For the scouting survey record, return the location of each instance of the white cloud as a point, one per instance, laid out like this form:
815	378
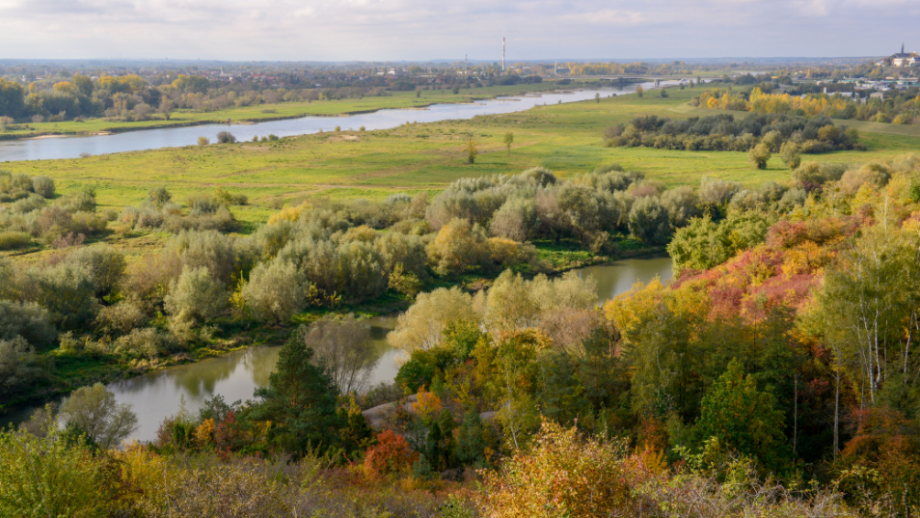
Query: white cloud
433	29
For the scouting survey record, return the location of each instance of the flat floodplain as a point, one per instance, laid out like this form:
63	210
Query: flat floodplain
565	138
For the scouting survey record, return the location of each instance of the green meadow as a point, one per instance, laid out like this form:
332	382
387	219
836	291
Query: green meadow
565	138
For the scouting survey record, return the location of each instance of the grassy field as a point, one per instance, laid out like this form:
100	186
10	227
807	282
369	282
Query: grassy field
423	157
264	112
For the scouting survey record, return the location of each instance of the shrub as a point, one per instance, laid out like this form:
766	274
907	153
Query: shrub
457	247
44	186
67	292
144	343
760	155
195	297
120	318
392	454
20	368
225	137
206	249
275	291
45	475
203	141
106	267
422	326
28	320
682	205
649	221
13	240
361	270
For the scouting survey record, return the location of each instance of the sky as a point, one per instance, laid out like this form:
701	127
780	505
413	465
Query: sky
420	30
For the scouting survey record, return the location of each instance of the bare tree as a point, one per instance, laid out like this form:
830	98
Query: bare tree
343	345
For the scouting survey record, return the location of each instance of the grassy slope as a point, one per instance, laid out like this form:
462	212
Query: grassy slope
425	157
263	112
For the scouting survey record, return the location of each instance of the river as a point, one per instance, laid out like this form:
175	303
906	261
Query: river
236	375
73	147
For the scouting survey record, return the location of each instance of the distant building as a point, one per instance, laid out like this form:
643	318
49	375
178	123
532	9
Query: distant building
902	59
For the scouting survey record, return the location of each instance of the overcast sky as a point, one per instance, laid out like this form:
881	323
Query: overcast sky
331	30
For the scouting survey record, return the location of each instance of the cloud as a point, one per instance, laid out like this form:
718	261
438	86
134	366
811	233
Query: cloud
436	29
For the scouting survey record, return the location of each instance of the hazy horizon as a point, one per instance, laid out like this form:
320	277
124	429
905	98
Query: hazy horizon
413	30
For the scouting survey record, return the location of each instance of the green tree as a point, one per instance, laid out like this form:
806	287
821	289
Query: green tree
508	140
742	418
301	400
791	155
471	151
11	99
760	155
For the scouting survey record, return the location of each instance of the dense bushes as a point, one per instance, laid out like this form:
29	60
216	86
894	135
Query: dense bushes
723	133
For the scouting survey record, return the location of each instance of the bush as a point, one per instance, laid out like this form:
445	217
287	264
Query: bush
206	249
121	318
13	240
760	155
649	221
203	141
276	291
67	292
105	265
45	475
682	205
392	454
44	186
361	271
225	137
20	368
195	297
144	343
28	320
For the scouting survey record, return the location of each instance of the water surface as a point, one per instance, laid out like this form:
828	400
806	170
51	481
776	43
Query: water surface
72	147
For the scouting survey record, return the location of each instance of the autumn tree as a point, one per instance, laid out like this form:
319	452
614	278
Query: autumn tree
471	151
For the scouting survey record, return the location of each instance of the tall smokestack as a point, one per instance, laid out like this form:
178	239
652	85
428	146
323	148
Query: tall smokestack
503	53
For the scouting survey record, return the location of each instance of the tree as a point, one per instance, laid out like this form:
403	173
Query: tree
471	151
301	399
760	155
225	137
649	221
597	98
457	247
742	418
11	99
95	412
203	141
275	291
195	296
344	347
423	325
20	367
639	91
508	140
166	108
791	155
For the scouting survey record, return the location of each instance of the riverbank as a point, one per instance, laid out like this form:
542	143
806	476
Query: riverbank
282	111
75	370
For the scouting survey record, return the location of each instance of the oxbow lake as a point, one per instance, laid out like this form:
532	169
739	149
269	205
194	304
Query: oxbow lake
236	375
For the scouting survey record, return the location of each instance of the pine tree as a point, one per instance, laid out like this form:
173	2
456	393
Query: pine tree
301	400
